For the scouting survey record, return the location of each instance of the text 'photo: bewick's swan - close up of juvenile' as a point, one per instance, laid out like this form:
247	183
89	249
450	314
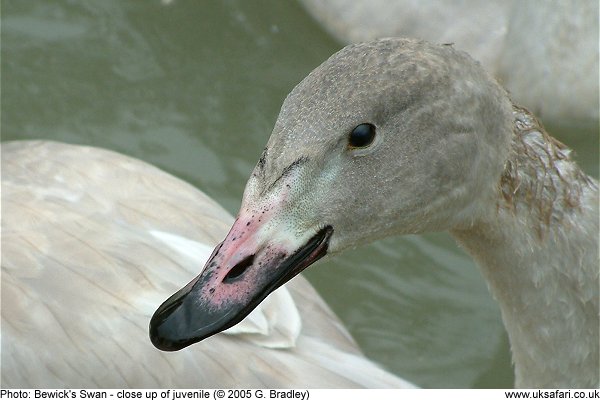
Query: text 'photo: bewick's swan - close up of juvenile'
388	137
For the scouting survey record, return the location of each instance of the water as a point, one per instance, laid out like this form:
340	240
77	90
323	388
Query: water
195	88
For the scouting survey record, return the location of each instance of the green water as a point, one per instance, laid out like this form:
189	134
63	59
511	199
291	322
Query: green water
194	88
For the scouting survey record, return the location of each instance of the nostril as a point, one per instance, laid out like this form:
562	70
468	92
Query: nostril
239	269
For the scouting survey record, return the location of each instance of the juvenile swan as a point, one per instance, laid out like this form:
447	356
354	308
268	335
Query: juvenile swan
400	136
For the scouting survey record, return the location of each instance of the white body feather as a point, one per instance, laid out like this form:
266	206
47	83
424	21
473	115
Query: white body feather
93	242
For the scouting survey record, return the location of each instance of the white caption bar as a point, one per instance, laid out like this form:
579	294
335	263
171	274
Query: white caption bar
299	394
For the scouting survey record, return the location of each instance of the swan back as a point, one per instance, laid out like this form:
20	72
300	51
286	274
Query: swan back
527	45
93	241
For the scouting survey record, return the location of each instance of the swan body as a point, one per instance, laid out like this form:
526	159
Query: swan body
544	52
92	241
401	136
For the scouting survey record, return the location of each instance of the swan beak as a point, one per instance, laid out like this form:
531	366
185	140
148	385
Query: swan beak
240	273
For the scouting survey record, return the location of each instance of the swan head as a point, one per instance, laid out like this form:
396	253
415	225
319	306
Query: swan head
388	137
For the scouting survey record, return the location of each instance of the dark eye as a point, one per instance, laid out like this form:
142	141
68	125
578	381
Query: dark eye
362	135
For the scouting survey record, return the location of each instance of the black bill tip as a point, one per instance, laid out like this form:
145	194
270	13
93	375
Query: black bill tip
188	317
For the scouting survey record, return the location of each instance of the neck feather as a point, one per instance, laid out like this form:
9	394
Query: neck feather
537	246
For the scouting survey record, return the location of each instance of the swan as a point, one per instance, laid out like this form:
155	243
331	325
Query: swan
93	240
544	52
400	136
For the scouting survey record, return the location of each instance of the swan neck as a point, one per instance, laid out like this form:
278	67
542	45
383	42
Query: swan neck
537	247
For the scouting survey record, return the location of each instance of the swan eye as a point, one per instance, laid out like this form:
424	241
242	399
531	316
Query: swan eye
361	136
